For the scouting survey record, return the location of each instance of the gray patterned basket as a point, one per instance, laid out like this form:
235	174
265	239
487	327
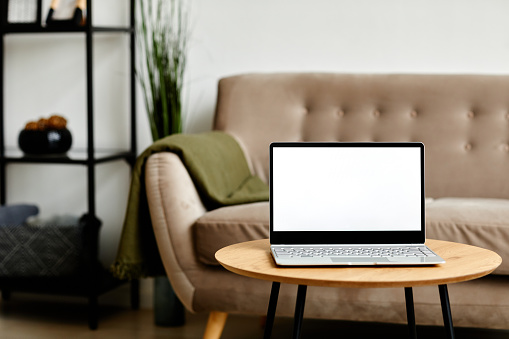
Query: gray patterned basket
40	251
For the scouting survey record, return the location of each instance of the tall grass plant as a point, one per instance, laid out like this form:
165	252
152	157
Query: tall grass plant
162	35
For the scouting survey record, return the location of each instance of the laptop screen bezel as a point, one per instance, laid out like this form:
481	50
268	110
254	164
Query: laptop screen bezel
348	237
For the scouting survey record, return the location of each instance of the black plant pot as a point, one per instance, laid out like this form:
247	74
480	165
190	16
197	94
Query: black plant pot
53	141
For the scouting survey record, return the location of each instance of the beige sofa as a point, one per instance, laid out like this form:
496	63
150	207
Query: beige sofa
463	120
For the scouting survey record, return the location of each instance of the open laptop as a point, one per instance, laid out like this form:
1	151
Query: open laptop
341	203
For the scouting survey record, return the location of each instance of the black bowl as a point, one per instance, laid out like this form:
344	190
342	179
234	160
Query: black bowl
53	141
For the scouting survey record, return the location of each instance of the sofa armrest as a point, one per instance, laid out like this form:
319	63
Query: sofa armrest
174	206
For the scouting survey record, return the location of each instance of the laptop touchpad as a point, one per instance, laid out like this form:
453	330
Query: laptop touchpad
358	260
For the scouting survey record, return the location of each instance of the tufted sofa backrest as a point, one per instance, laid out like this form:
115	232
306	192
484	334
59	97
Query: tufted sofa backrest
463	120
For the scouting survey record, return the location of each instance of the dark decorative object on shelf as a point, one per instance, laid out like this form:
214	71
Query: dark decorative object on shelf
45	136
45	142
21	12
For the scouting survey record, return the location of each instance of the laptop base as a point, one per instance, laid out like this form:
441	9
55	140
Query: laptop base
356	255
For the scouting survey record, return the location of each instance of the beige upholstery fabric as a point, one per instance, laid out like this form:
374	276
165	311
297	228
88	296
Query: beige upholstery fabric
462	119
478	222
229	225
464	123
174	206
473	221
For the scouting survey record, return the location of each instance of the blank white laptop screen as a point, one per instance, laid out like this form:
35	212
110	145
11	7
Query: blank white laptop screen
346	189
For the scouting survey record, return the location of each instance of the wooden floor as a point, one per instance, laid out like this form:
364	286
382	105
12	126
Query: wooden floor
26	318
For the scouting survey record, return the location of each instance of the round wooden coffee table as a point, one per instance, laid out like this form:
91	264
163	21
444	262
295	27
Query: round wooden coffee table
463	263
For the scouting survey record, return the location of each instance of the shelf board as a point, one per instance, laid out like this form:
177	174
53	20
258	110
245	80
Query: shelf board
113	29
73	156
20	29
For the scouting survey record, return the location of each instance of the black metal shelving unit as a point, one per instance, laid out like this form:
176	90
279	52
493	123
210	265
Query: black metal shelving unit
93	280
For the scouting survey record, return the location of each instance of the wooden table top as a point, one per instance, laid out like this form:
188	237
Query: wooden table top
463	262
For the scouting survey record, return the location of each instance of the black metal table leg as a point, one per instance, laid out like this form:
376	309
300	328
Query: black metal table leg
271	312
299	311
446	310
410	314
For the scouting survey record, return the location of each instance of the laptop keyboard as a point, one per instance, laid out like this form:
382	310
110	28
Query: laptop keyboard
363	251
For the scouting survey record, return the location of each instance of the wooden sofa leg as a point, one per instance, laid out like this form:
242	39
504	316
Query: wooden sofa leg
215	325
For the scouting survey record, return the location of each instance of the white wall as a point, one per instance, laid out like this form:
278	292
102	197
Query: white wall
400	36
44	74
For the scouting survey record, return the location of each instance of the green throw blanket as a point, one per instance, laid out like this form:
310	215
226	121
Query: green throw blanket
221	175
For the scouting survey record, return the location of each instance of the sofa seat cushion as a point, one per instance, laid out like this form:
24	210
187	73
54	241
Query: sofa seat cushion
473	221
230	225
478	222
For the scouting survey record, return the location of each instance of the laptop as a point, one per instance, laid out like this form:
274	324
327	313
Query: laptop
348	203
